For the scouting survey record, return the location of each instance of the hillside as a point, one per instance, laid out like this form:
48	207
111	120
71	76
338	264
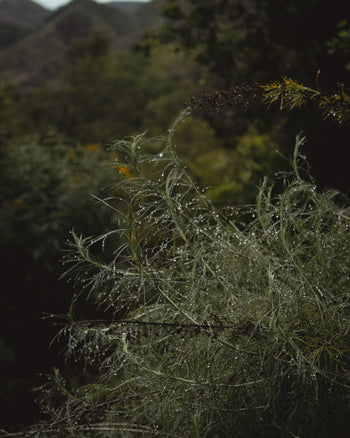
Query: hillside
22	13
37	57
10	34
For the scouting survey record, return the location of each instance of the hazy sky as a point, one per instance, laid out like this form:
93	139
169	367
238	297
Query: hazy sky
53	4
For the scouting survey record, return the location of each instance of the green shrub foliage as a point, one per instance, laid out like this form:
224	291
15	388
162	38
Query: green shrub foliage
218	322
45	192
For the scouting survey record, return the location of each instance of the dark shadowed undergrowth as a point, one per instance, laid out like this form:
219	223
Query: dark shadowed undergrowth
218	322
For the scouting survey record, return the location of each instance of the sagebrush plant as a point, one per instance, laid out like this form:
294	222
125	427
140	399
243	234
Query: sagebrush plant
219	322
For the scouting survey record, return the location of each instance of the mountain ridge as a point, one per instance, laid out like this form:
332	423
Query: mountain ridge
125	5
22	13
37	56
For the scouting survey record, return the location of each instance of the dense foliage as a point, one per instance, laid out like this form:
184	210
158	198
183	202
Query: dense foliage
218	322
238	42
46	187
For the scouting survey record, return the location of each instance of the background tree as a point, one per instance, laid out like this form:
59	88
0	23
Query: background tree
258	41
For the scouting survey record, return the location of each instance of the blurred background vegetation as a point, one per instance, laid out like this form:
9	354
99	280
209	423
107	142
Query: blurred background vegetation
76	78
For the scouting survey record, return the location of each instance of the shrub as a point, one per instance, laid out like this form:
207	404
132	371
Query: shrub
219	323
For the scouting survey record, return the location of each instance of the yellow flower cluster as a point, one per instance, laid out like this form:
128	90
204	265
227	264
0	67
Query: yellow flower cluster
92	147
125	171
